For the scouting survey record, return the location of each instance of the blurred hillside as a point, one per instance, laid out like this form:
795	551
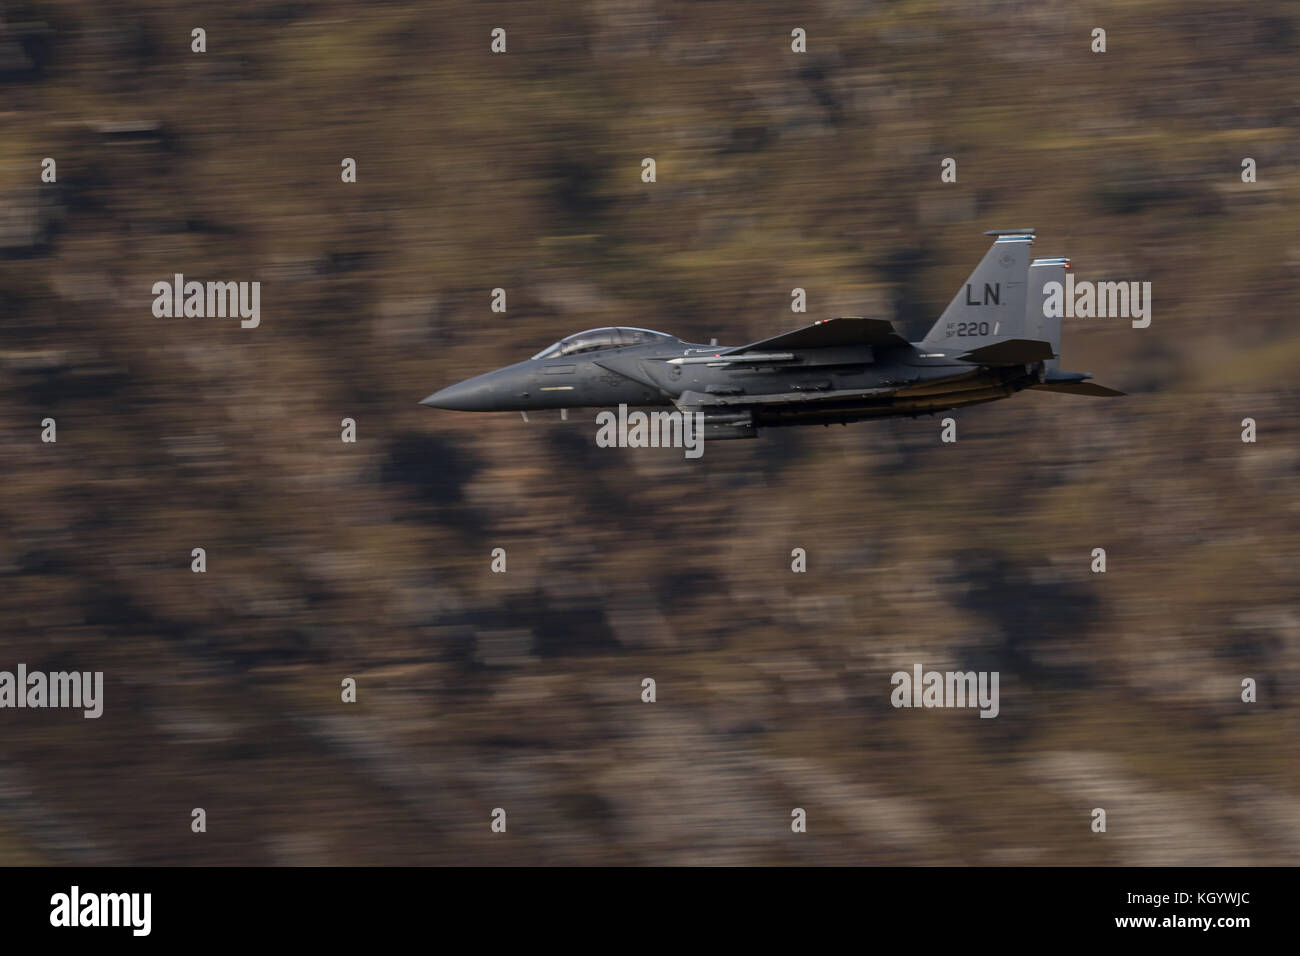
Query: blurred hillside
522	690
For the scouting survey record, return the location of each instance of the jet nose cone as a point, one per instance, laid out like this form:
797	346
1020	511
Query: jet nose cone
473	395
436	399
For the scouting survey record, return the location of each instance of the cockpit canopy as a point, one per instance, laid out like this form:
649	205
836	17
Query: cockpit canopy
592	339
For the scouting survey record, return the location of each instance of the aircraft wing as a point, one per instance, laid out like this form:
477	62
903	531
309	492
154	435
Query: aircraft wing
829	333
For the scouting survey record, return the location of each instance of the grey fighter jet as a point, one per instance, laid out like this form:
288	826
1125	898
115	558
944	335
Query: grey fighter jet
991	341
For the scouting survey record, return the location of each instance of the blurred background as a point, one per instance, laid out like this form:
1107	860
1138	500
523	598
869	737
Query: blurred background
522	690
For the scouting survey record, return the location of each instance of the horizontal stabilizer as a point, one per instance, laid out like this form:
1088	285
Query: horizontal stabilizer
829	333
1010	352
1079	388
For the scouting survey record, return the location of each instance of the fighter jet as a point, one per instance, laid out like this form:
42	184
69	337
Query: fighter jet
992	341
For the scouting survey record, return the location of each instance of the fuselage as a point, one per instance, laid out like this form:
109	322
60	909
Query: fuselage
813	385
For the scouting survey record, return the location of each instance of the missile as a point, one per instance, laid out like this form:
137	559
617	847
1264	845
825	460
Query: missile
732	359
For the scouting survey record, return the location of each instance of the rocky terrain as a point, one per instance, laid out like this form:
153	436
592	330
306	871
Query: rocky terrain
371	560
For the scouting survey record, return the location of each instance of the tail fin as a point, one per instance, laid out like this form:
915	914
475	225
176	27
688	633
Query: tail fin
991	305
1039	325
1047	329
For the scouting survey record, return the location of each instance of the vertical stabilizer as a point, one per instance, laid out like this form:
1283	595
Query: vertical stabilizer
1039	325
991	305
